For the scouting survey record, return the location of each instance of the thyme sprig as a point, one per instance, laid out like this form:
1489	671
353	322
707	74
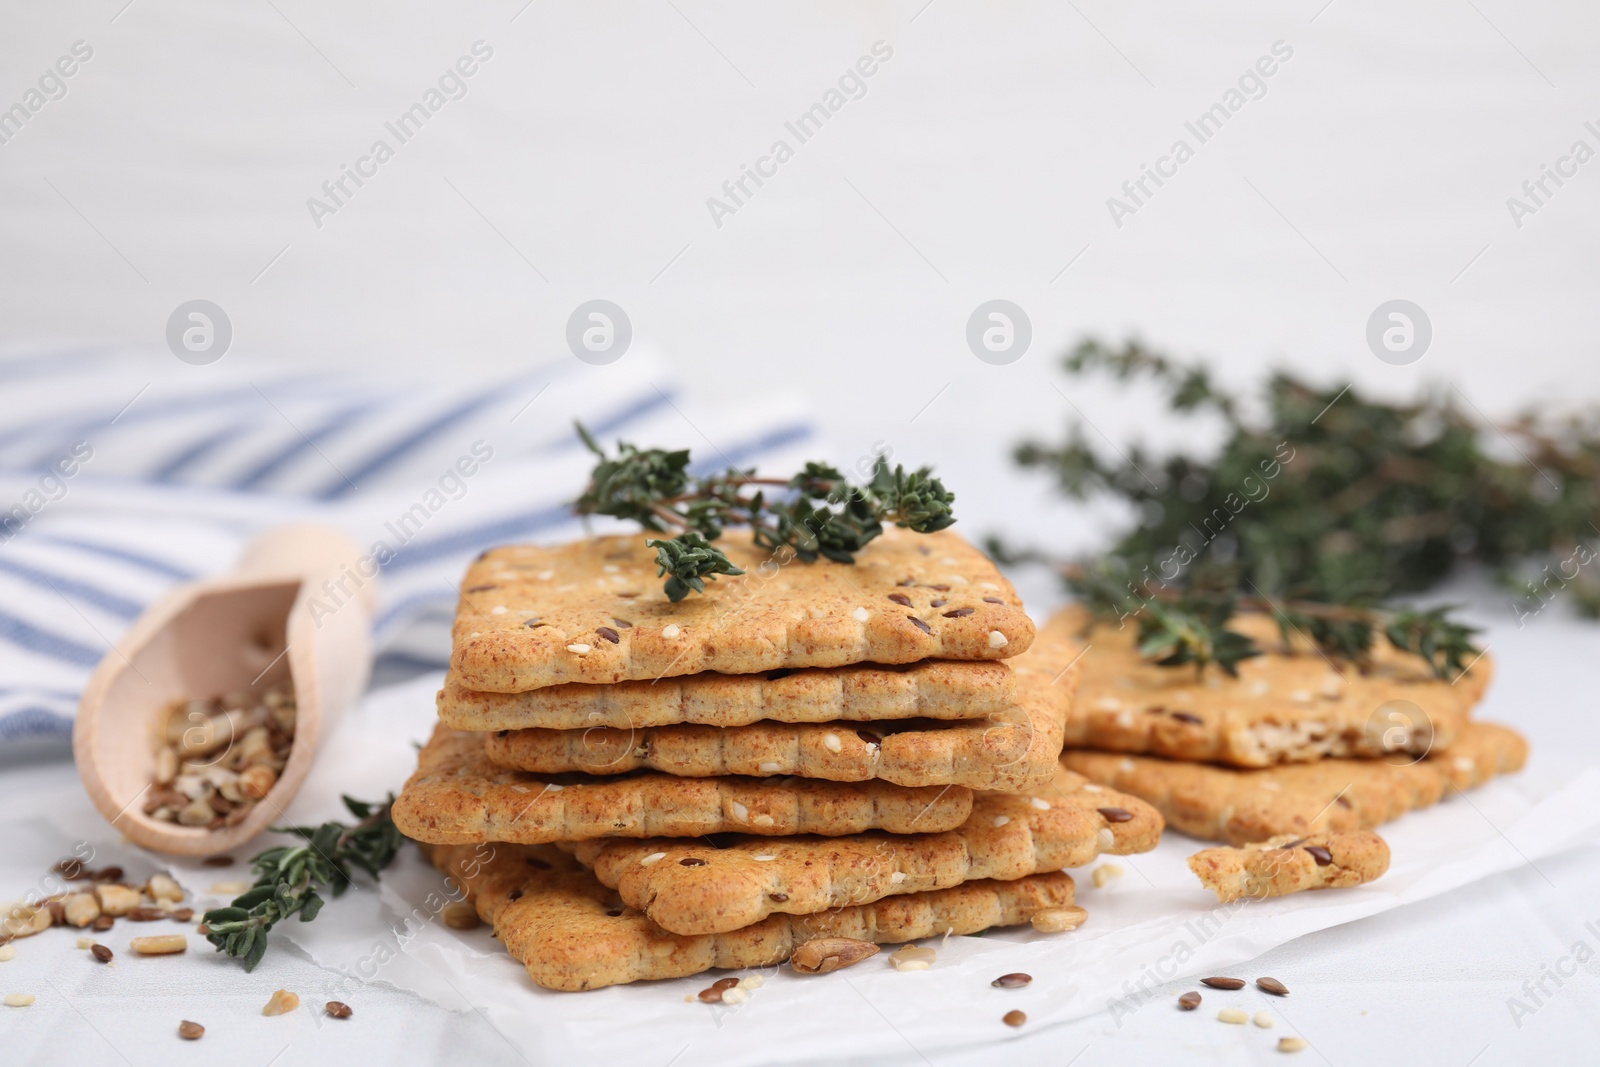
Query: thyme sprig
1330	505
290	878
817	512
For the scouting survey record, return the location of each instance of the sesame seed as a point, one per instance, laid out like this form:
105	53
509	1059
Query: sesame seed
1001	820
611	568
831	742
740	812
763	858
1108	704
769	767
762	820
997	639
578	648
897	877
545	576
1464	763
1039	802
1090	787
670	630
498	609
654	857
1291	1044
1105	839
18	1000
1301	696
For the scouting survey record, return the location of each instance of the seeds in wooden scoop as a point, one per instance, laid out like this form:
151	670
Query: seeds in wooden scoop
216	759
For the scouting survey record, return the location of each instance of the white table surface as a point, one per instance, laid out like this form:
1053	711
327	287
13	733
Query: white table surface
977	165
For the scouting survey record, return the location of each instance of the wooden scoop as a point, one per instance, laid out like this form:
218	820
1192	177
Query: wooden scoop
298	606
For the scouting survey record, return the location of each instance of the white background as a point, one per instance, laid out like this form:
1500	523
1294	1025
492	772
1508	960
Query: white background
976	166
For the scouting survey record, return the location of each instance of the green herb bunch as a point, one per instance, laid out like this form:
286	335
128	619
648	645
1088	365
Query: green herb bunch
1323	508
289	878
818	512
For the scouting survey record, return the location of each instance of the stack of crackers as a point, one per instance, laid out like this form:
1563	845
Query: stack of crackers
630	788
1292	763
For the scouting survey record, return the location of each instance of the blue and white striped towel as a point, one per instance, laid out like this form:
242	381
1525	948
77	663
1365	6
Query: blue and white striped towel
122	474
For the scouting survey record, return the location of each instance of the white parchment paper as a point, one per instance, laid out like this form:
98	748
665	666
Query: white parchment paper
1152	925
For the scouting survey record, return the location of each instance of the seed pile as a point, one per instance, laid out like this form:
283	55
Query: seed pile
215	759
96	904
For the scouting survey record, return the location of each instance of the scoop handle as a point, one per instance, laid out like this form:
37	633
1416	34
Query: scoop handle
314	554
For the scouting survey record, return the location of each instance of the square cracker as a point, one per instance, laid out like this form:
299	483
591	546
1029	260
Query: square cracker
1014	750
929	689
700	887
594	611
1240	806
1288	705
572	933
457	796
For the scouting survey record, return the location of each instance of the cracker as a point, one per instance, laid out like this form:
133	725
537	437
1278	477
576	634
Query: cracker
457	796
1240	806
1290	864
571	933
699	887
1016	750
930	689
594	611
1287	705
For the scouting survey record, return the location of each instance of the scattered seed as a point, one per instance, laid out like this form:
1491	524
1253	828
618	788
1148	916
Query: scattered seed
182	915
919	624
103	923
71	869
459	915
18	1000
162	945
670	630
84	942
1015	980
608	633
164	887
713	993
752	981
1013	1018
823	955
993	600
691	861
145	915
1105	873
830	741
958	613
1291	1044
578	648
1320	854
1185	716
1233	1015
778	898
1223	983
81	909
654	857
1189	1001
281	1002
901	599
734	996
1058	920
1116	814
1001	820
1273	986
1105	839
8	952
913	958
117	899
1263	1019
107	874
217	861
101	953
190	1031
338	1009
